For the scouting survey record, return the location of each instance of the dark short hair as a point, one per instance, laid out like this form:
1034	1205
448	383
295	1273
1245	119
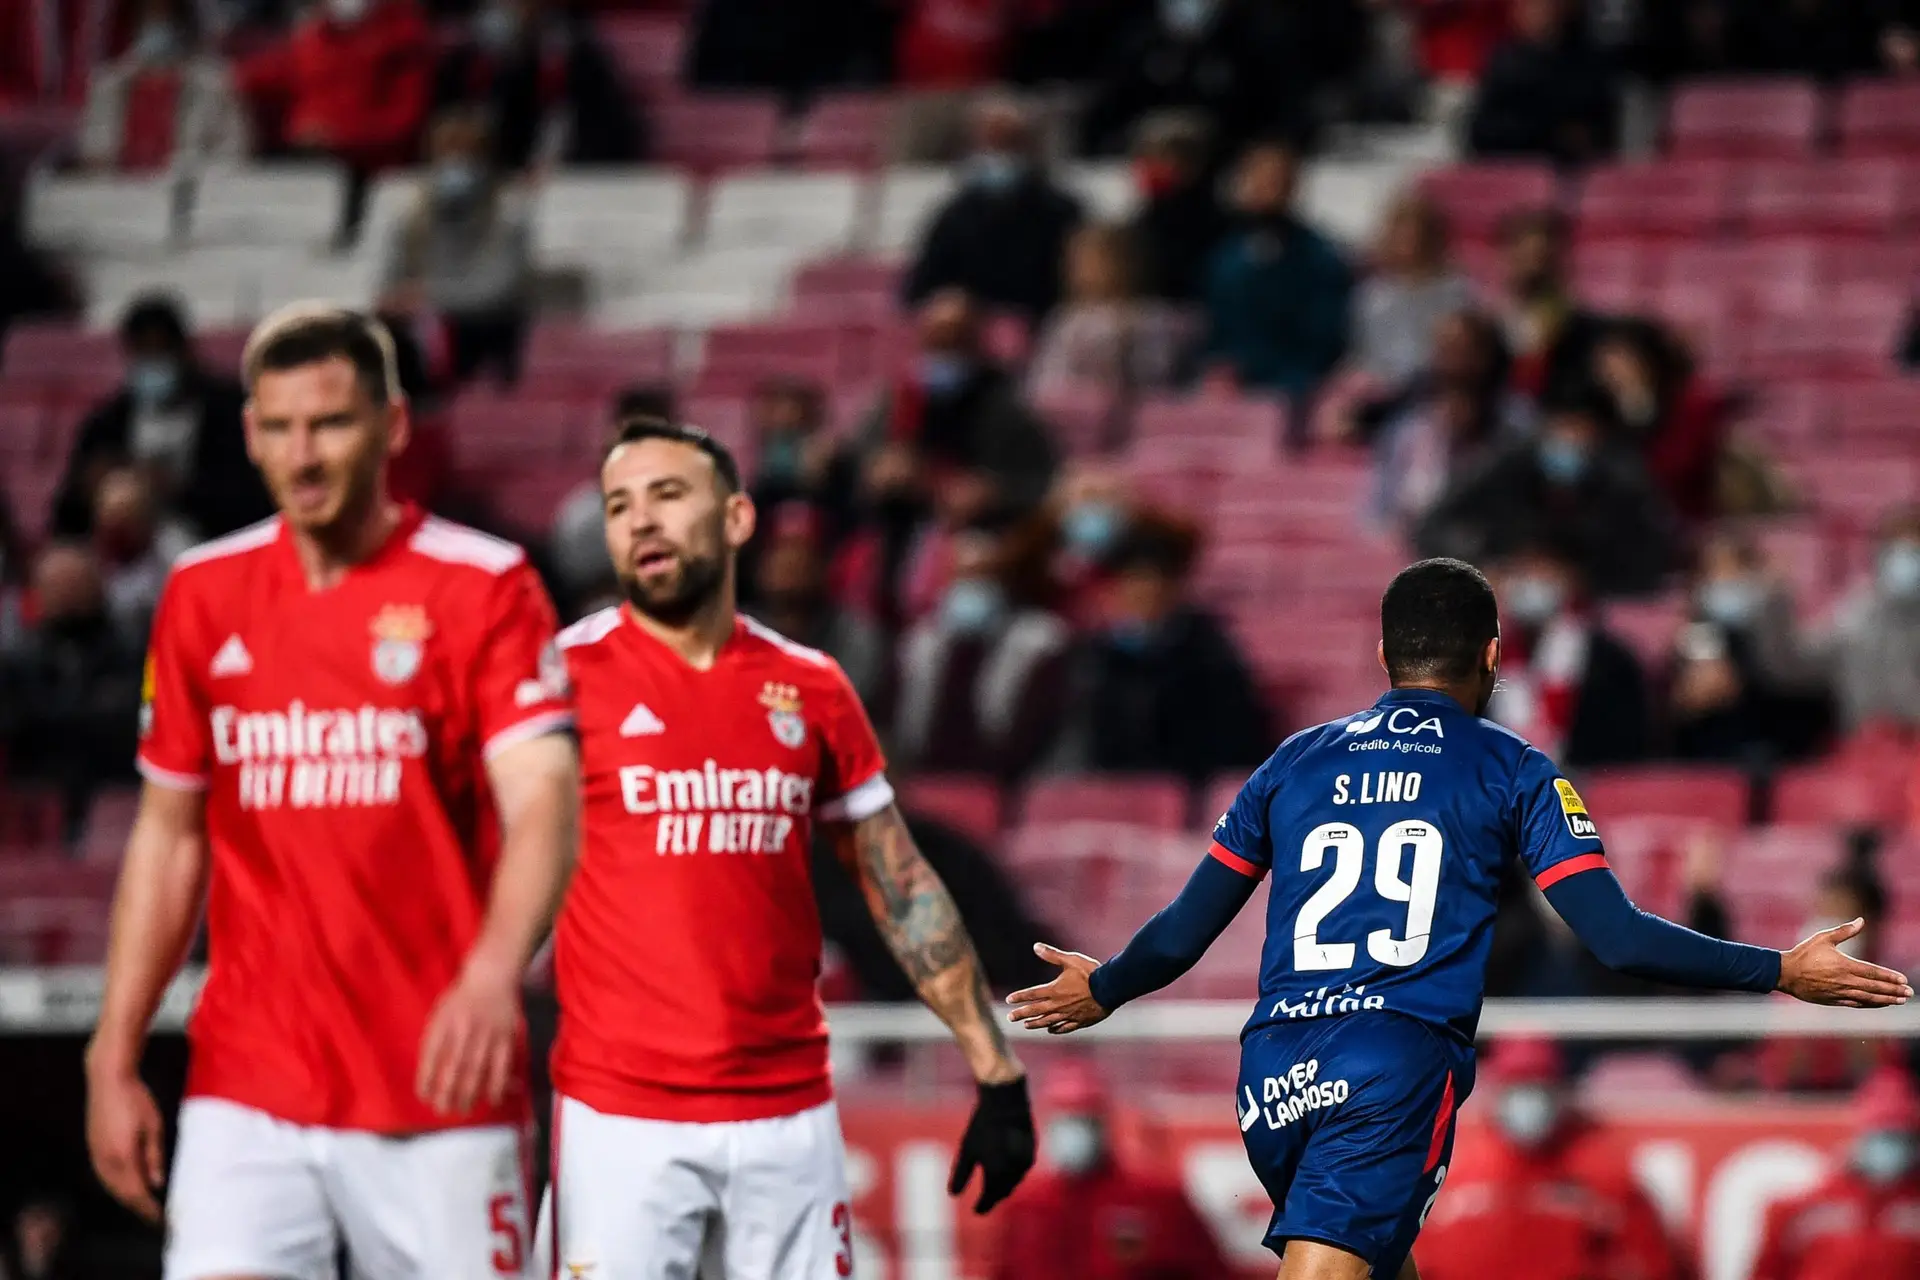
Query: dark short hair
160	313
644	400
1435	620
307	333
1154	543
642	426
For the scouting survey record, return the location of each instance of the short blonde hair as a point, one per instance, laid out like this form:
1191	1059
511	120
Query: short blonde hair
304	333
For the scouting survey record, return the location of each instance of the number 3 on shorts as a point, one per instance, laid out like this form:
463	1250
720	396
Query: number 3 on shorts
503	1216
843	1225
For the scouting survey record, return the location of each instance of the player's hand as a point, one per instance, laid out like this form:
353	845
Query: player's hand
1063	1005
472	1041
998	1142
1816	971
124	1137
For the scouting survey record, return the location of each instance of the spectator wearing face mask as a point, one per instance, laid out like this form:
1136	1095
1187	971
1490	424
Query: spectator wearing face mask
793	454
1129	1225
463	254
1566	684
789	593
176	420
1278	294
546	82
1666	412
1411	289
1543	1196
1742	686
1002	236
165	101
1858	1221
1876	638
1104	335
1089	512
1573	486
1546	91
1157	685
1180	219
980	676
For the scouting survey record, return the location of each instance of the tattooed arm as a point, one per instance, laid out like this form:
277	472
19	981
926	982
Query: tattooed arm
922	928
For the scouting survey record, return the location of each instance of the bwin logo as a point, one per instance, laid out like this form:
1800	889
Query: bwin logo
1366	724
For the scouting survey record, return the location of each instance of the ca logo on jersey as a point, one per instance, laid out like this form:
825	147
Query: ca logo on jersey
1579	821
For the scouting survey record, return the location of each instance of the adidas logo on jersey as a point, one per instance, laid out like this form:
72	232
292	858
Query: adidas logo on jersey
232	659
641	722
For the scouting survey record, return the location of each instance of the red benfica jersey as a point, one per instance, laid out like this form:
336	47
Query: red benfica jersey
688	948
340	737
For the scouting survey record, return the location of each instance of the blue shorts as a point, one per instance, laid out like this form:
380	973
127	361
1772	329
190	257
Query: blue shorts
1349	1124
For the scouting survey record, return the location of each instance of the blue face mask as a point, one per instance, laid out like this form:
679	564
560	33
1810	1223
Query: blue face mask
153	380
972	606
1900	570
780	457
1528	1114
943	374
1130	636
157	42
496	27
455	181
1731	602
1090	528
1563	461
996	171
1884	1157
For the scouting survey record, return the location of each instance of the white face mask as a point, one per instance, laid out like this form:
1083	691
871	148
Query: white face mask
1074	1144
1534	600
1528	1114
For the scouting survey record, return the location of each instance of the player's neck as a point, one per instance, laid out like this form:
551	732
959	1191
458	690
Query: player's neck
326	555
700	638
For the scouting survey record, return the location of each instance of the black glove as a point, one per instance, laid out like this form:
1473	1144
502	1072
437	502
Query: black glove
998	1142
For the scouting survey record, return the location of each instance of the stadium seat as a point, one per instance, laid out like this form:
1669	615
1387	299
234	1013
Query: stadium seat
971	806
1654	199
1878	414
1201	455
813	212
736	358
95	213
648	50
615	223
1854	488
1867	790
834	278
43	351
1779	864
109	822
910	196
494	433
1476	197
724	417
284	206
1794	413
845	130
1712	793
1752	120
1879	118
1852	334
1865	199
711	132
1145	800
1611	274
1239	418
1646	1076
1082	418
524	497
573	361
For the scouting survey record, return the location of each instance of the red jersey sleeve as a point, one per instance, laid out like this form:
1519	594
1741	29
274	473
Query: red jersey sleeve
520	686
854	783
175	742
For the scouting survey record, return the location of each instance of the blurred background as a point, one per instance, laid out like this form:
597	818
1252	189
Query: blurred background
1095	363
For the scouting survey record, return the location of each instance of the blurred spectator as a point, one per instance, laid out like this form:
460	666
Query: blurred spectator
577	543
41	1247
1133	1225
1574	487
70	695
1159	687
1567	685
1859	1220
1089	511
1278	293
1180	219
1104	335
1411	288
134	550
952	45
789	594
1676	421
464	252
1544	1196
1228	58
776	44
1456	37
177	420
37	285
980	677
1742	688
419	473
1551	334
792	450
1443	424
1876	641
1002	236
352	83
548	86
167	100
1546	91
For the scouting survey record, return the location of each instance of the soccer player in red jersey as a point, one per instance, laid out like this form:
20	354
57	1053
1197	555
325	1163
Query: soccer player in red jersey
694	1116
356	744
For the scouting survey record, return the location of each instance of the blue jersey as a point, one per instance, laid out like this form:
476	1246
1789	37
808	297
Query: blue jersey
1387	834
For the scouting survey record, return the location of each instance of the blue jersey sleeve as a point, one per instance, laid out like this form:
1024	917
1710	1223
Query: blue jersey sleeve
1241	838
1557	836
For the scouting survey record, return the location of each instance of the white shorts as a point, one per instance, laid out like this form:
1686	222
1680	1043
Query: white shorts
730	1200
252	1195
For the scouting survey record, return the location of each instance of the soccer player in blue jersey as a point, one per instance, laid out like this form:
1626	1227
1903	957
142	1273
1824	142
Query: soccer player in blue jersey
1387	833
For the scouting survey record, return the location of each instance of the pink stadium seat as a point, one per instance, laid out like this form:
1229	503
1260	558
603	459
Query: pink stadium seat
1202	455
1879	118
711	132
1858	489
48	352
1476	197
1649	853
1082	417
1857	262
1685	791
525	497
1663	198
109	823
491	432
1219	795
1885	412
647	49
1782	860
1859	198
30	491
1802	552
1866	790
845	130
22	424
727	419
739	357
50	873
1638	1075
1793	416
1755	120
1611	273
1145	800
842	277
596	361
1218	417
1851	335
971	806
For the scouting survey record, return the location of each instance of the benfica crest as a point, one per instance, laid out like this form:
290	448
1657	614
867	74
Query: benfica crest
782	702
400	634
